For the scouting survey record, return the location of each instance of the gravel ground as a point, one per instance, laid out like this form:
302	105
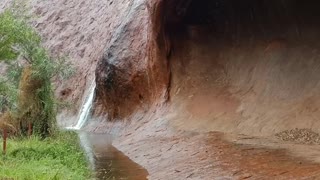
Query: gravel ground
301	136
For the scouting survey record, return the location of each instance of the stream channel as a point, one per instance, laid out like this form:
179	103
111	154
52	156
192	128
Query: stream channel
106	161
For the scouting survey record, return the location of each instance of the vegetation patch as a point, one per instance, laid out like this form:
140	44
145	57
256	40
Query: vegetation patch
57	157
26	92
35	149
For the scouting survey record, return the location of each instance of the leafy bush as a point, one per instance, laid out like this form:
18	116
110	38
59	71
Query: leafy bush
27	90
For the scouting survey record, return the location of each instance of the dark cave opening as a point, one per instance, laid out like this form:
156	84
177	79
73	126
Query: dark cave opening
264	18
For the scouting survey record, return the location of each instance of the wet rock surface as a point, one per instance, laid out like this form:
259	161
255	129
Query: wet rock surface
122	79
211	156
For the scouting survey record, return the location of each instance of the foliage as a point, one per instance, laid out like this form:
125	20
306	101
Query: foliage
27	89
26	96
8	95
57	157
15	37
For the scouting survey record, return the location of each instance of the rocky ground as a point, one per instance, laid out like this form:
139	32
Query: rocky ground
300	136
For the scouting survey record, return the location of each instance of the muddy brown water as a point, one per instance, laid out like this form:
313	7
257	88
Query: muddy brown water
107	161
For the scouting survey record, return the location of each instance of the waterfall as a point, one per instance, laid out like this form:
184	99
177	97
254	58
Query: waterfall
85	108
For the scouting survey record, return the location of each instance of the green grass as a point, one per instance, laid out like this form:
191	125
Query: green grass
58	157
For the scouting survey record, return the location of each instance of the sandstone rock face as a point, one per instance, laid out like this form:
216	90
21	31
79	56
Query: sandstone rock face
122	74
80	30
133	72
223	65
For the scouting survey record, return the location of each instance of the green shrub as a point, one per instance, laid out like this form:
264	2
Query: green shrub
27	90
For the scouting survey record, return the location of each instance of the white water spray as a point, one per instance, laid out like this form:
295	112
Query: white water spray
85	108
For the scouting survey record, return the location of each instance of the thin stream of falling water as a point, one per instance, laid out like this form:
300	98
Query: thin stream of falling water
85	108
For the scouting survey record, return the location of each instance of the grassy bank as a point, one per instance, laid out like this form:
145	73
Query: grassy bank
57	157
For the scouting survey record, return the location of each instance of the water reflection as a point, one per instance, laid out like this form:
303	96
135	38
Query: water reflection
107	161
